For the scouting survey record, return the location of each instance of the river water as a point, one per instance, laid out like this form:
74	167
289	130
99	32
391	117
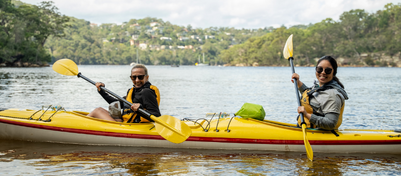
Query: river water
191	92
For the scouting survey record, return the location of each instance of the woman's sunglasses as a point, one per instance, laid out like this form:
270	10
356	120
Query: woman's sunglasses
327	70
140	77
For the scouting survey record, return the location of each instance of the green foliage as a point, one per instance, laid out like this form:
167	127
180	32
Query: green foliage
39	33
356	32
111	43
369	61
25	28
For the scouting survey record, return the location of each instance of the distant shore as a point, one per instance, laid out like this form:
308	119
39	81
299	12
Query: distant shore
26	64
23	64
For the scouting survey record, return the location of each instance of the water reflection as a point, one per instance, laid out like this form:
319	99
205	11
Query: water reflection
61	159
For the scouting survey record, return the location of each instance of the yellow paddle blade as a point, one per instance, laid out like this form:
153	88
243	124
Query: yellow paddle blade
171	128
288	50
66	67
309	151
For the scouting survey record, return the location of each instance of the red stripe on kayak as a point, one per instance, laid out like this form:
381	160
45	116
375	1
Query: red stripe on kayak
296	142
210	139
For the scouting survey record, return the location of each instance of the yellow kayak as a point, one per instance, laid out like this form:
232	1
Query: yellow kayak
217	132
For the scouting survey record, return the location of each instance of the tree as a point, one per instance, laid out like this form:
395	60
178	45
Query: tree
29	26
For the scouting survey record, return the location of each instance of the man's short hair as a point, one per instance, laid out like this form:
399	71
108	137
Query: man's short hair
140	66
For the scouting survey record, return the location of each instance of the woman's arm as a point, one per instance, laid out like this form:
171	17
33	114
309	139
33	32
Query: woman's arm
327	122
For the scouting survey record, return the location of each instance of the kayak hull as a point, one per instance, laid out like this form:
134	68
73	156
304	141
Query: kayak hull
219	134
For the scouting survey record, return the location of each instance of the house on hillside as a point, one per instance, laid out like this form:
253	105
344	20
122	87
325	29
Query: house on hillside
135	37
195	37
166	38
143	46
150	32
134	42
154	24
154	47
93	25
181	34
160	28
209	37
183	38
136	26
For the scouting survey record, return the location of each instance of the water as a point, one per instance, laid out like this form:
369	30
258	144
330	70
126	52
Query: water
191	92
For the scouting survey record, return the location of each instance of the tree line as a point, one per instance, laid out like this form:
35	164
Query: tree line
88	43
358	38
39	33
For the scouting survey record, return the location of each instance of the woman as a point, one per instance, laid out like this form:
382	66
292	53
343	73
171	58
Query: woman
143	95
323	103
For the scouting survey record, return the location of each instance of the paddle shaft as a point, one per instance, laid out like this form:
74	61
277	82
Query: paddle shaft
140	111
296	89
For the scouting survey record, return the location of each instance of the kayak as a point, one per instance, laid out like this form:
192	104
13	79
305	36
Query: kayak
218	131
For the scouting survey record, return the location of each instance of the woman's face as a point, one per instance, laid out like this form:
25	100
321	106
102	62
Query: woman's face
323	77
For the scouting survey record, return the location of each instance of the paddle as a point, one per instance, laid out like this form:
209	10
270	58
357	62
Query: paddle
288	53
169	127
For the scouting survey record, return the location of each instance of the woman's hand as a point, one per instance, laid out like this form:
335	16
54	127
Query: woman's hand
296	76
302	110
98	85
135	106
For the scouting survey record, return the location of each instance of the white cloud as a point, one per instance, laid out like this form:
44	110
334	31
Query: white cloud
217	13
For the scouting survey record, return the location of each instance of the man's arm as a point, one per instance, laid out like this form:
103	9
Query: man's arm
107	97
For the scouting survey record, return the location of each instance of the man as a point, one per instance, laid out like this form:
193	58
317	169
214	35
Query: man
143	95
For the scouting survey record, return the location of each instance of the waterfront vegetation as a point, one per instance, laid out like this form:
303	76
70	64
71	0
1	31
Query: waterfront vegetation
39	33
25	29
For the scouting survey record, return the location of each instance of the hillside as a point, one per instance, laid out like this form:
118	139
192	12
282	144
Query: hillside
359	38
157	42
32	34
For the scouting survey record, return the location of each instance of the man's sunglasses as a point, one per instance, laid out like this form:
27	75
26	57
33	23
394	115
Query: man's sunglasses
327	70
140	77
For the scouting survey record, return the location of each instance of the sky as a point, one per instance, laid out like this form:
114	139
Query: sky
248	14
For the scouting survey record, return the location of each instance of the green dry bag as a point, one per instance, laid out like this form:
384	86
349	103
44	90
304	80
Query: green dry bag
249	110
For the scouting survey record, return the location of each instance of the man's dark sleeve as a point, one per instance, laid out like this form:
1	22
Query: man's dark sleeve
150	102
107	97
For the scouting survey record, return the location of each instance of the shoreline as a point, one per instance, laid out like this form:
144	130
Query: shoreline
30	65
25	64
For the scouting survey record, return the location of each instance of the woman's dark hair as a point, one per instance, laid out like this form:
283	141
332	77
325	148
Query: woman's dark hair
333	63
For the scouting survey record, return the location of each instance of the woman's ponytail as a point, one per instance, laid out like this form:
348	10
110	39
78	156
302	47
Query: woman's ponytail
338	81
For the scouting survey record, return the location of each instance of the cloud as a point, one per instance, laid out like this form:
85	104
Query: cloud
216	13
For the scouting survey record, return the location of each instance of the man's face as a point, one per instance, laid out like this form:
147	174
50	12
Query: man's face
138	77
